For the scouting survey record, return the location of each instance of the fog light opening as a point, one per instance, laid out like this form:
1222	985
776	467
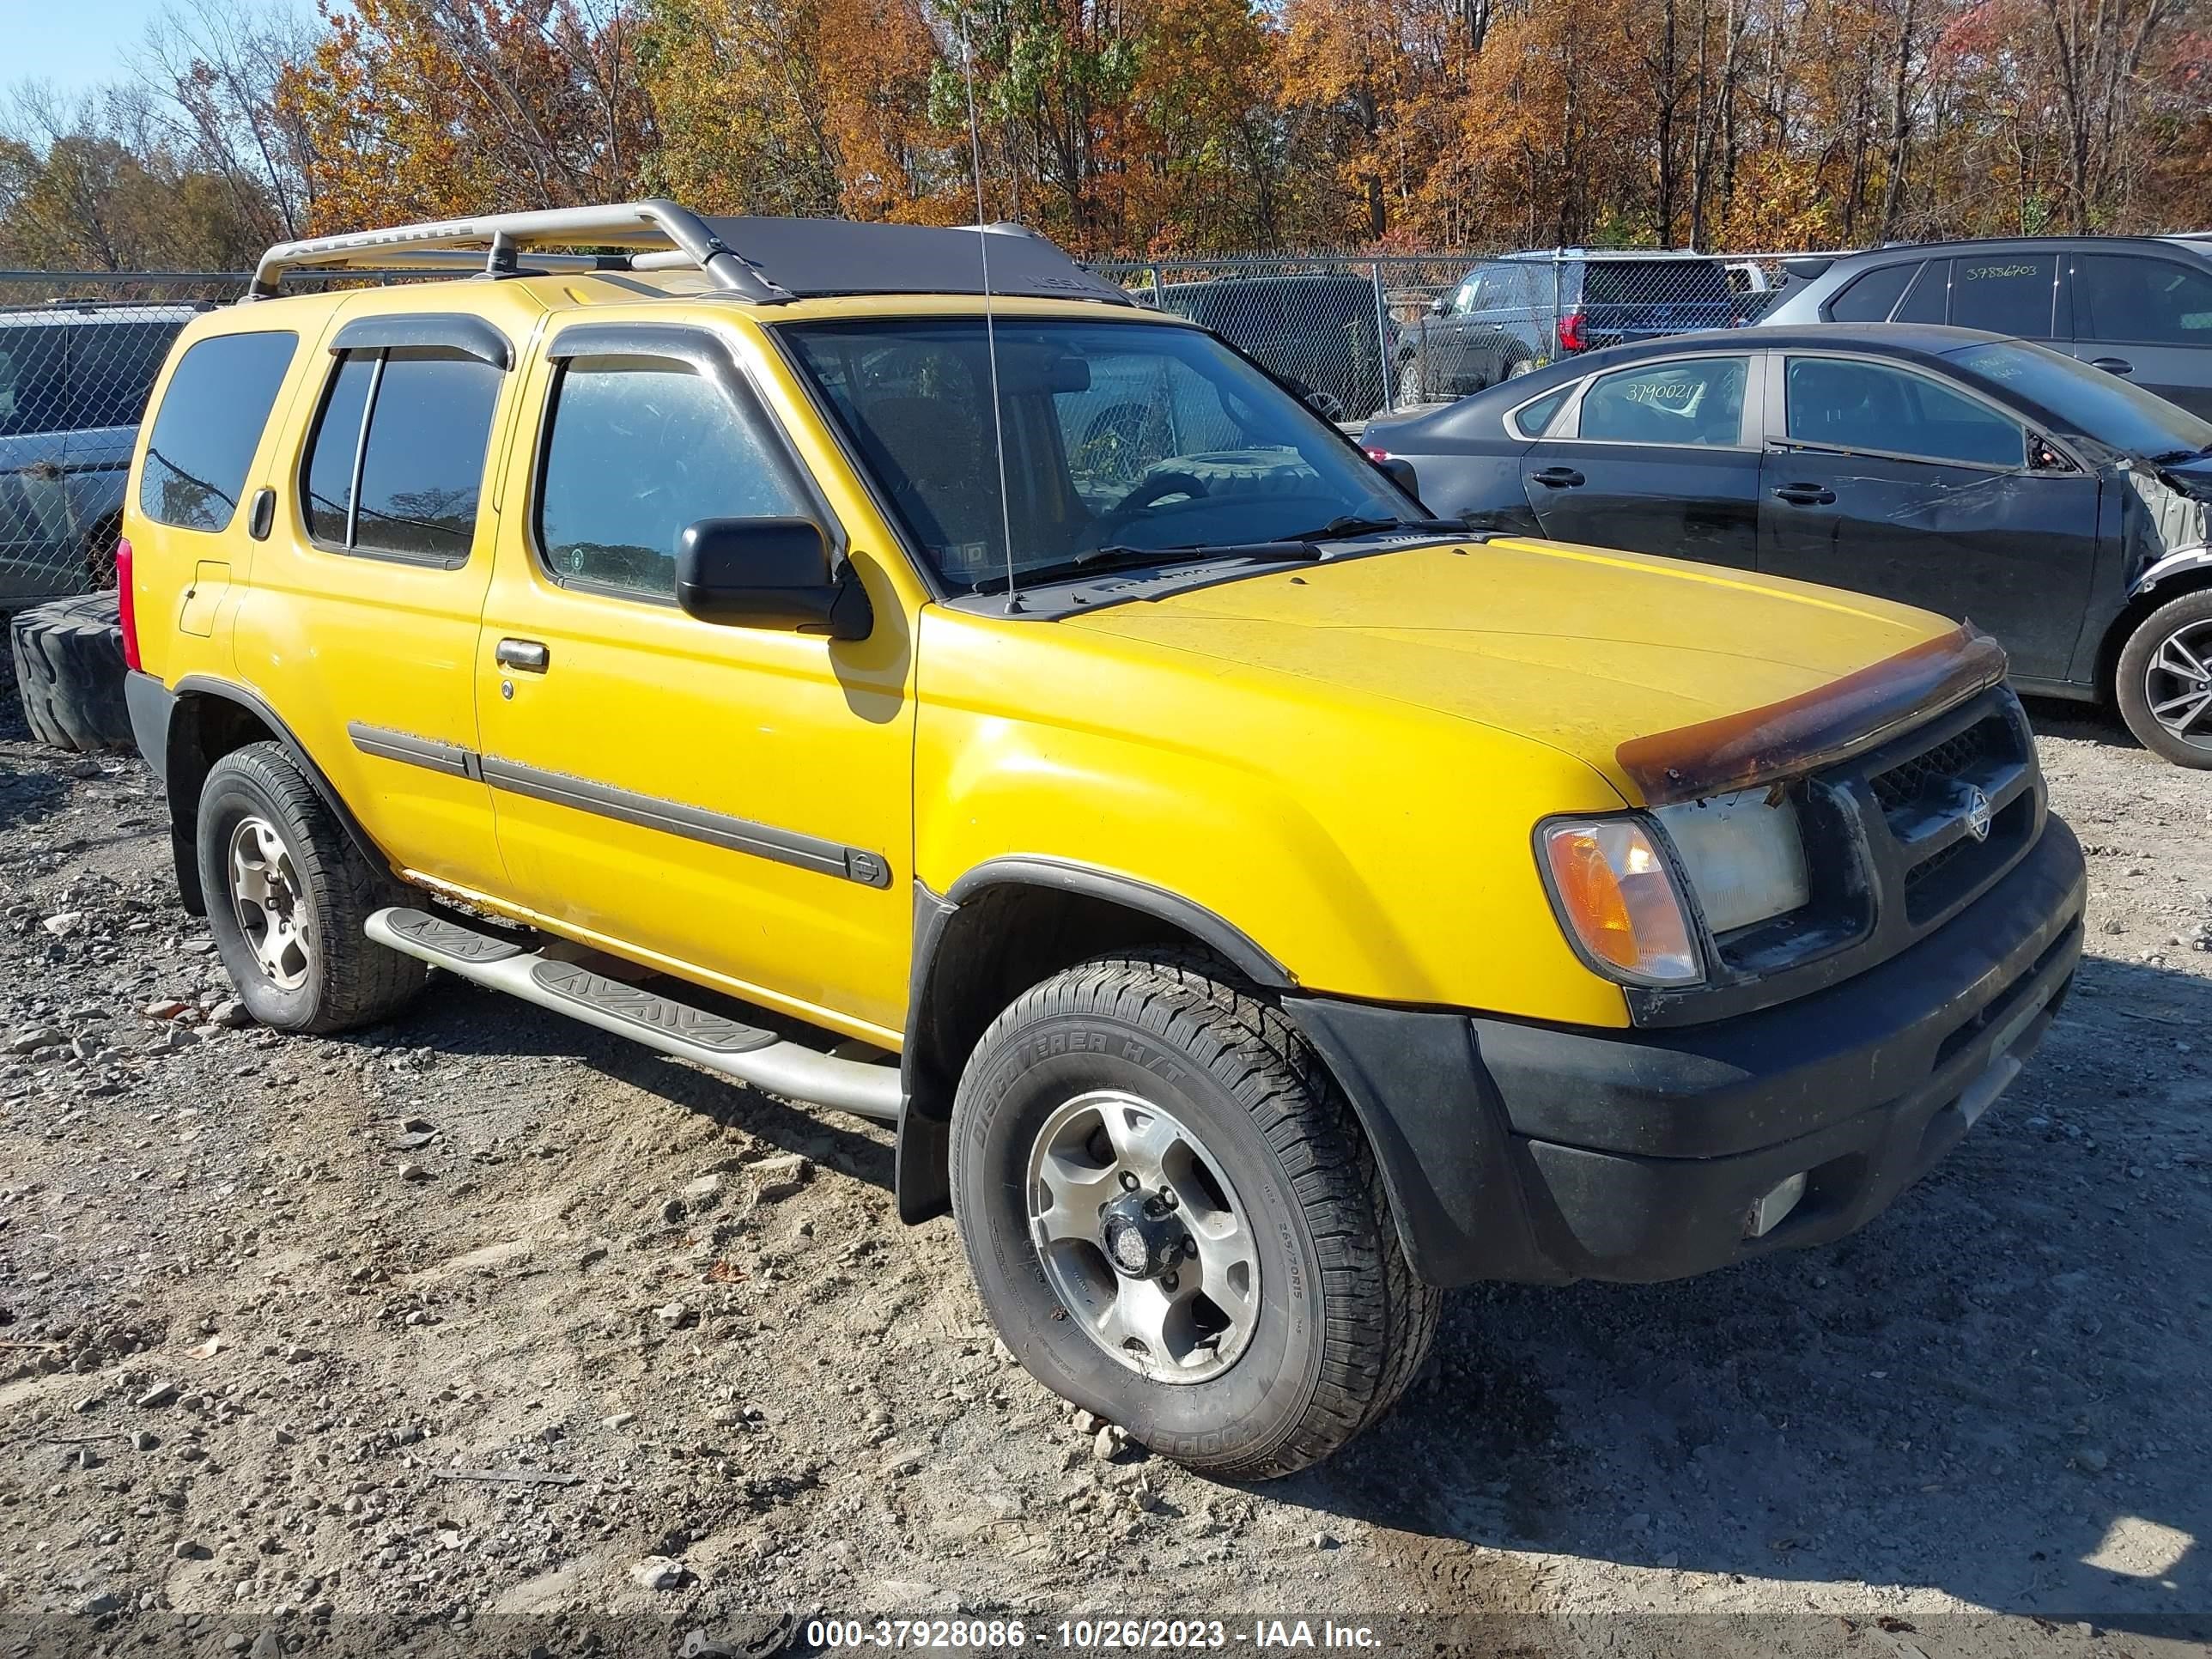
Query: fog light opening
1768	1213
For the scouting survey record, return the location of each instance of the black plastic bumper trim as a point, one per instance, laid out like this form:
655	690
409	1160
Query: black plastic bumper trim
151	706
1546	1154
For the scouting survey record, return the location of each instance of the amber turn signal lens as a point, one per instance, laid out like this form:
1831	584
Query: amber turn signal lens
1616	895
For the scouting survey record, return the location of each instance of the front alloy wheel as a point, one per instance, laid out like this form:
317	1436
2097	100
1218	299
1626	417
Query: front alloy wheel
2178	686
2163	682
1174	1221
1144	1241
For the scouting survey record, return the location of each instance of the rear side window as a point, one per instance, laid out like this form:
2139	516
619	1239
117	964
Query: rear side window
1697	402
409	488
33	382
112	367
1531	419
639	448
2131	301
2004	294
209	426
1872	297
1928	298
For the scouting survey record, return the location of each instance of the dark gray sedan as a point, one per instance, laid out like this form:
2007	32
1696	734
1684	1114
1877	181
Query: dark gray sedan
2055	505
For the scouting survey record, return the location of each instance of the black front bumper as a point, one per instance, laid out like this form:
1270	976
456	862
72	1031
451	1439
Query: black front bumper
1545	1153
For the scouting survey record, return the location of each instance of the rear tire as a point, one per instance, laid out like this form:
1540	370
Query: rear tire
1410	392
2163	683
288	895
1269	1161
70	669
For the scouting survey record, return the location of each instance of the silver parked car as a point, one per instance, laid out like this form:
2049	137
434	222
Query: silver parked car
73	377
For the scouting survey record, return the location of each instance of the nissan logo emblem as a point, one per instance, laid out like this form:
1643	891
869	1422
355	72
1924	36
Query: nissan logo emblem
1978	814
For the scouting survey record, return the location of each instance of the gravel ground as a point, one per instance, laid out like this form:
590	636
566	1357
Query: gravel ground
259	1298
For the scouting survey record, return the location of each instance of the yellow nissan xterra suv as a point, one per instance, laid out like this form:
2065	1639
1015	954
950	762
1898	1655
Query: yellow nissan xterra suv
882	664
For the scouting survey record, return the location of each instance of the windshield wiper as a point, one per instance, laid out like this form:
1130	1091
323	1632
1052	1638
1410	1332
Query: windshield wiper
1344	528
2171	457
1115	556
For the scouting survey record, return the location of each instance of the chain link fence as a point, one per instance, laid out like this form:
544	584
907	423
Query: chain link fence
1379	335
79	351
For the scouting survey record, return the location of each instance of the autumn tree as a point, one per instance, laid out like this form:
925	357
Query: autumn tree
417	109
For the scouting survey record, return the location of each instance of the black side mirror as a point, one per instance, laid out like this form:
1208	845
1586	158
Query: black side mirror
759	573
1400	472
1440	307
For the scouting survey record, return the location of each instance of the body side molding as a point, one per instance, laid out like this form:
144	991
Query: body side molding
735	835
411	751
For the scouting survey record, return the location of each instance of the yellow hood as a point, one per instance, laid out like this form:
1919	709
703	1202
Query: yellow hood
1575	646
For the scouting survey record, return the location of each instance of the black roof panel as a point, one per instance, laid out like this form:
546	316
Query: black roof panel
817	257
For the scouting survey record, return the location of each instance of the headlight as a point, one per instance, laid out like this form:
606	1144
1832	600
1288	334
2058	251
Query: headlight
1743	856
1614	891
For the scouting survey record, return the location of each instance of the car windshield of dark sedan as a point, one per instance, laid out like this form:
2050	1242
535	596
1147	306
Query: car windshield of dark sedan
2096	403
1121	436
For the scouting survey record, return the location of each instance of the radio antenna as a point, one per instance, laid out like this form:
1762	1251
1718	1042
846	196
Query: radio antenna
990	326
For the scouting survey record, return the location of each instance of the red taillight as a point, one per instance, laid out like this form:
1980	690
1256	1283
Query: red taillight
126	603
1374	454
1570	332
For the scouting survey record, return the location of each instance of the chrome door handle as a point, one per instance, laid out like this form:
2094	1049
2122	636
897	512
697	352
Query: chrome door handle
525	656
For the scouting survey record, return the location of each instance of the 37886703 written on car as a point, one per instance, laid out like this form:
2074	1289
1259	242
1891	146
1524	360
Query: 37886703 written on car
1253	905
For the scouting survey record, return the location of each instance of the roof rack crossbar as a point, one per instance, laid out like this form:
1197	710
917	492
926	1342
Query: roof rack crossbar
507	241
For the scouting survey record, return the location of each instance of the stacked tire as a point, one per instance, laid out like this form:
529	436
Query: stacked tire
70	669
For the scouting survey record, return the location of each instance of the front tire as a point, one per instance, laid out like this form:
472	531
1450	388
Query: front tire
2163	683
288	895
1242	1304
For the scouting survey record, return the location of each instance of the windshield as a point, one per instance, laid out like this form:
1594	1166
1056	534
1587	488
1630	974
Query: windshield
2091	401
1146	437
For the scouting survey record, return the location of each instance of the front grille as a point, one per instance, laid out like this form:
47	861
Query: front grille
1930	775
1923	797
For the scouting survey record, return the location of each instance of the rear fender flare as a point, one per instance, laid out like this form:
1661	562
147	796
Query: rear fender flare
184	797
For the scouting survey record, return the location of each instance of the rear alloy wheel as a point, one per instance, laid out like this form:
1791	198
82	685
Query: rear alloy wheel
1174	1221
1410	392
2164	681
288	894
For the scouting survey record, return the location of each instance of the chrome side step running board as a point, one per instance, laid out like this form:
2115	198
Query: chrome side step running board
713	1040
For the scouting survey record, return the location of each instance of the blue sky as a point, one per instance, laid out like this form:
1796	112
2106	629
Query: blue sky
76	45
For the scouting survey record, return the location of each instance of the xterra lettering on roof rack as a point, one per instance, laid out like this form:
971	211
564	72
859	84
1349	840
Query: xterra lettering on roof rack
766	261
